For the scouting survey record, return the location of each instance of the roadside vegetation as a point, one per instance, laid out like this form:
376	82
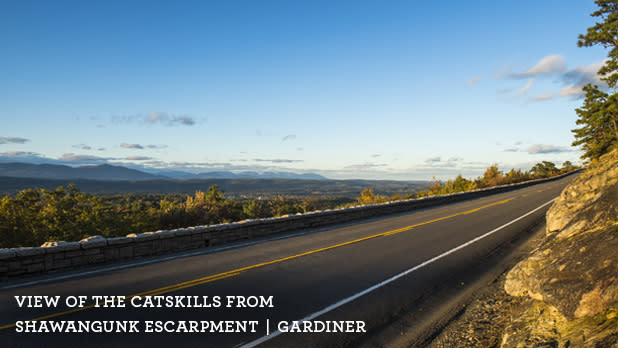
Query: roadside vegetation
35	216
492	177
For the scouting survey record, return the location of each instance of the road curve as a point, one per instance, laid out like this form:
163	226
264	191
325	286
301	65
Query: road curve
369	272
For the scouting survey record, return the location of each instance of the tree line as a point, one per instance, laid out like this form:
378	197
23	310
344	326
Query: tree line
35	216
491	177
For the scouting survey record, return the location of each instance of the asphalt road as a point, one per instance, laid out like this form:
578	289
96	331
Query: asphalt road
373	272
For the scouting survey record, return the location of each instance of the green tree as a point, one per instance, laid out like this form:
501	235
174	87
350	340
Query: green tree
597	133
567	166
598	116
544	169
256	209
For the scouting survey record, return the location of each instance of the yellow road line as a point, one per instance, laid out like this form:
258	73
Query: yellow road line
235	272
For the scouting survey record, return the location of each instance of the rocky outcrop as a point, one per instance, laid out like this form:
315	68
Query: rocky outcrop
570	282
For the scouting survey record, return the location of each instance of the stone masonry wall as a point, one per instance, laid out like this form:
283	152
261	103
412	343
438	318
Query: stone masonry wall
63	256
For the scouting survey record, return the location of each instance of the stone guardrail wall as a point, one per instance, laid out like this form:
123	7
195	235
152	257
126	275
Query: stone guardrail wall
62	256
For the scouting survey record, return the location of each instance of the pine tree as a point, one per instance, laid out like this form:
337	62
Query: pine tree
598	116
597	132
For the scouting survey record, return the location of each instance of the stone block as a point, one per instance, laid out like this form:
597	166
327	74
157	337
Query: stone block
56	247
33	259
21	252
95	243
119	240
111	254
94	251
77	261
166	234
35	268
138	238
14	265
143	248
125	252
6	254
98	258
66	263
72	254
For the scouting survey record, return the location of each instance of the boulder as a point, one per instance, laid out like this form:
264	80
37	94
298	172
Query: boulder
571	279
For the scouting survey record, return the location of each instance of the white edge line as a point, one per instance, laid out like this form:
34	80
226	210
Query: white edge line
393	278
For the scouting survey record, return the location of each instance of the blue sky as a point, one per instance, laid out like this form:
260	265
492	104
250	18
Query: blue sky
349	89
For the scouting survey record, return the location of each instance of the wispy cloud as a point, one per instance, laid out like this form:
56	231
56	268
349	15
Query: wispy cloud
132	146
433	159
141	147
277	160
474	80
169	120
13	140
542	149
550	65
553	66
542	97
438	162
82	147
154	118
574	91
365	166
71	157
19	154
139	158
524	90
289	137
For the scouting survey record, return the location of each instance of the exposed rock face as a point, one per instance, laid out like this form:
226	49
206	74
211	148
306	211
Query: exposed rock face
571	280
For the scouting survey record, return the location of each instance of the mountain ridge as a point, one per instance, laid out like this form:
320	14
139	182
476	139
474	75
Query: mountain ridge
108	172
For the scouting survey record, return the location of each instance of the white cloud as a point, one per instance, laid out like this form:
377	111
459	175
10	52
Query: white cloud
524	90
364	166
548	65
13	140
71	157
156	118
277	160
541	97
541	149
474	80
571	91
573	80
433	159
138	158
132	146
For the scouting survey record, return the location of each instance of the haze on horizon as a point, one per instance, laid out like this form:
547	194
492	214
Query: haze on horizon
375	90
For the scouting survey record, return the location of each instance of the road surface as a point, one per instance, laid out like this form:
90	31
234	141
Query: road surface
364	275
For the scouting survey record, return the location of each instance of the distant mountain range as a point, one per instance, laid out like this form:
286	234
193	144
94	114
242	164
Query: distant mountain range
108	172
240	175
